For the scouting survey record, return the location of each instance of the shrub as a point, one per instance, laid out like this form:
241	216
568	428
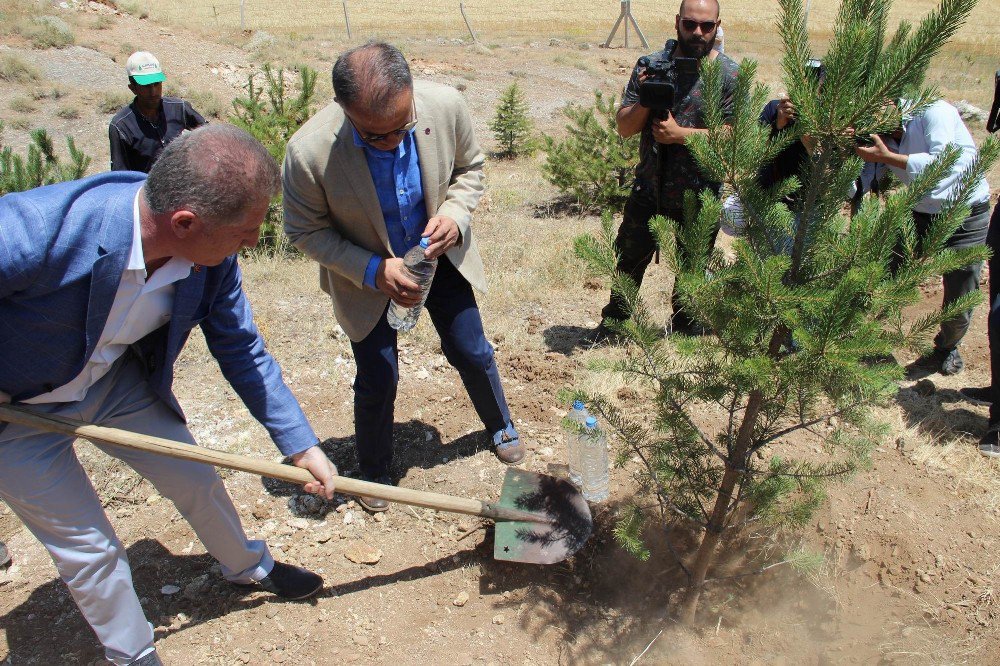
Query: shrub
110	101
511	125
40	166
270	115
46	32
15	70
23	105
593	164
68	112
132	7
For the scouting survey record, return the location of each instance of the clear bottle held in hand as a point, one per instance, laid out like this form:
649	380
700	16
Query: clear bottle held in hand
421	270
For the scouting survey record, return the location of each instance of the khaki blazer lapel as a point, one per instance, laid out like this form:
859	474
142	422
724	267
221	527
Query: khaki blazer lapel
427	149
352	162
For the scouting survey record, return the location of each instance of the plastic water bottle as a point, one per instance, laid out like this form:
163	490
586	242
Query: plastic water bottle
421	270
576	419
594	462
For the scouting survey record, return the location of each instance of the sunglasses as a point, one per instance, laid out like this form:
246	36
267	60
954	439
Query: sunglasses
378	138
706	26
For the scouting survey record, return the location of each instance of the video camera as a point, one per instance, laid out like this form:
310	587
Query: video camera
667	78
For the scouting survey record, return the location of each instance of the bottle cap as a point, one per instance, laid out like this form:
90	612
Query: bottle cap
425	241
578	405
591	422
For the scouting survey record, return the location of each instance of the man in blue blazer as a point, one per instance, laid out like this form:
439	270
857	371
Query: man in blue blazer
101	281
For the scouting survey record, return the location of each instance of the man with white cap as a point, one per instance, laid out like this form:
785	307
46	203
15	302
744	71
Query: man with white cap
141	130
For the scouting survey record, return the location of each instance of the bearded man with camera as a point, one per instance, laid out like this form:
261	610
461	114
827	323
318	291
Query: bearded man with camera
664	101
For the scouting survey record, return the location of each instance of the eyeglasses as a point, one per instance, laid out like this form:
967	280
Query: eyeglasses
378	138
706	26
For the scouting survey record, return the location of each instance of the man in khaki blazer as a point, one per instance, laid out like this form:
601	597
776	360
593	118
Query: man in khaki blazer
389	162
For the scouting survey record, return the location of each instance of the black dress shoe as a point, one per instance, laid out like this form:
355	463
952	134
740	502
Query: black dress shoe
289	582
376	504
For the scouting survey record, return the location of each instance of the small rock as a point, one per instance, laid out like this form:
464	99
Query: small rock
461	599
498	619
169	589
361	553
271	612
422	374
908	632
379	517
970	112
925	577
925	387
348	517
428	436
546	452
360	640
153	499
297	523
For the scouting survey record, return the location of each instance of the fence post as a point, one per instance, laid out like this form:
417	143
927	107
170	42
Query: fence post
347	20
461	7
243	19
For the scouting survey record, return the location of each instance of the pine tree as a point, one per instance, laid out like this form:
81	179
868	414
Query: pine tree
593	165
271	116
511	126
797	334
40	166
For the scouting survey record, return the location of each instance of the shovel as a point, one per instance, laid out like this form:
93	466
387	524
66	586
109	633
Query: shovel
539	519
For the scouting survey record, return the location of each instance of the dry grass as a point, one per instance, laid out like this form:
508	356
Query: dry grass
16	70
497	19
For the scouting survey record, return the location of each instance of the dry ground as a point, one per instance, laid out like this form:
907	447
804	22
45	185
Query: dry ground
910	573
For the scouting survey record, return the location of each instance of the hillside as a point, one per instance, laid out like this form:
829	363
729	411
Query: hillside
910	571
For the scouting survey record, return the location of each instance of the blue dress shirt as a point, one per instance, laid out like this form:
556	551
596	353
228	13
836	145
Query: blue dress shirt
396	175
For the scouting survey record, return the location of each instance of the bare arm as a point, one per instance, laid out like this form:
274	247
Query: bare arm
631	120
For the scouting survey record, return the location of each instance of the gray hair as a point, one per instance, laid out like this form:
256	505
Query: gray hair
215	171
368	77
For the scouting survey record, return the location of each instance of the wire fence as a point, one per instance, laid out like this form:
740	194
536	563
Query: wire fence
589	20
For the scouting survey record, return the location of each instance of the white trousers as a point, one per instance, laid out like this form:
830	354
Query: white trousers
45	485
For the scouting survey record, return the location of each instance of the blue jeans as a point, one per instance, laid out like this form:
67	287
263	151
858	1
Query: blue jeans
455	315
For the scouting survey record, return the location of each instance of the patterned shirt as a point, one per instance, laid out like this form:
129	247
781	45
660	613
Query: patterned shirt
680	173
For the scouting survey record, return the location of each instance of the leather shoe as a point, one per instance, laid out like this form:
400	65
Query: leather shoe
507	444
376	504
945	361
289	582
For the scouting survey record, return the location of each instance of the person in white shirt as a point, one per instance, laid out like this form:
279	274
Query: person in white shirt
909	151
102	281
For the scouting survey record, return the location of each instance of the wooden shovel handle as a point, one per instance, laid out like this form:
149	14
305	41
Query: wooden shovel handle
182	451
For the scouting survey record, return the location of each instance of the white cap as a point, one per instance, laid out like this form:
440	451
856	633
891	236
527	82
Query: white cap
144	68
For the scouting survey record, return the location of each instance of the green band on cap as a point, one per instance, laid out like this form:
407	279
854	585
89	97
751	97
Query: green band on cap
147	79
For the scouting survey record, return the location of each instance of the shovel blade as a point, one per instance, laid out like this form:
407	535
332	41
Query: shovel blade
564	523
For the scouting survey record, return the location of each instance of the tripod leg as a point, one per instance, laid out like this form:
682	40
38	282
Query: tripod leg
621	17
638	31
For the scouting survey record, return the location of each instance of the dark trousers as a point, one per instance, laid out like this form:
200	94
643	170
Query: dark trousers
455	315
962	281
993	323
635	245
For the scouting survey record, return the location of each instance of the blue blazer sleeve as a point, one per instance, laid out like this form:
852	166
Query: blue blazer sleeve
235	342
